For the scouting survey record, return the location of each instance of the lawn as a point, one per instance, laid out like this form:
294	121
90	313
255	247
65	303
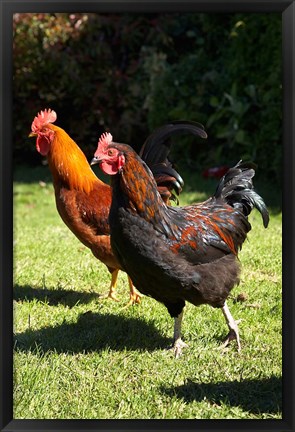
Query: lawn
78	356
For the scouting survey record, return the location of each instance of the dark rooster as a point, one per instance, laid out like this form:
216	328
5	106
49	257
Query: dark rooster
178	254
83	201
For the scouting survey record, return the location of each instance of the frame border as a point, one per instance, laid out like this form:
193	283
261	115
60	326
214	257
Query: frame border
7	9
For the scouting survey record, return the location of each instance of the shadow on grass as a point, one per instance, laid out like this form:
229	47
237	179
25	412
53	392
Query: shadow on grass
53	297
93	332
261	395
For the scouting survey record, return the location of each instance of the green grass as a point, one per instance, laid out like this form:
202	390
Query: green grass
78	356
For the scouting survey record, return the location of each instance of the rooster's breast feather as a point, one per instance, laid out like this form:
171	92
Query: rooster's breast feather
85	212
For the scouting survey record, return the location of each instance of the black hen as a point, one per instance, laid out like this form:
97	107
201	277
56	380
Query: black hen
177	254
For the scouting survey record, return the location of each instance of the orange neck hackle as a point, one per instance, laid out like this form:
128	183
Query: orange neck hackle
68	163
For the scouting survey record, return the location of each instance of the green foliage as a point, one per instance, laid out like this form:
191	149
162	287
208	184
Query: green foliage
80	357
133	72
232	84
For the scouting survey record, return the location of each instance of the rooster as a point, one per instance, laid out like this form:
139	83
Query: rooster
83	201
178	254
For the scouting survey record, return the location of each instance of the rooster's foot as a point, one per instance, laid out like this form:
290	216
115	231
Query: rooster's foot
134	298
110	295
233	334
177	347
112	289
233	328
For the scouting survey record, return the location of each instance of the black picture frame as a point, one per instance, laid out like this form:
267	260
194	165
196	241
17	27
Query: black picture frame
7	9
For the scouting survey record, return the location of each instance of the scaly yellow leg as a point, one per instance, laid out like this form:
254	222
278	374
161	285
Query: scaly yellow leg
135	296
112	289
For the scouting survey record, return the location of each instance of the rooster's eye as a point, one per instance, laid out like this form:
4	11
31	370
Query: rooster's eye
110	152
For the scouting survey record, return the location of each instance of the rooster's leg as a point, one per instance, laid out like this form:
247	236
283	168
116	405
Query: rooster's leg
135	296
233	328
178	343
111	293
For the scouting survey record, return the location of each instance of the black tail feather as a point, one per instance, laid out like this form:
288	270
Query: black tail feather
236	188
156	149
167	171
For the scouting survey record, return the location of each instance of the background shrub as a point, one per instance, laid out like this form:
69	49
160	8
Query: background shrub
130	73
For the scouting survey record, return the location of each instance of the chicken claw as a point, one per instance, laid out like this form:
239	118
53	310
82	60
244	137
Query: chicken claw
135	296
111	293
177	347
178	343
233	328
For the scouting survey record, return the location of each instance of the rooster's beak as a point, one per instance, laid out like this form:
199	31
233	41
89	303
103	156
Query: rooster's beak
32	134
95	161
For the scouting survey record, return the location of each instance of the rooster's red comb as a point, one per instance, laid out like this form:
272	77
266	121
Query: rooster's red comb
105	139
43	118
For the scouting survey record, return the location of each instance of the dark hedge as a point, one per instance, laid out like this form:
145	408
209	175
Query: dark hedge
130	73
